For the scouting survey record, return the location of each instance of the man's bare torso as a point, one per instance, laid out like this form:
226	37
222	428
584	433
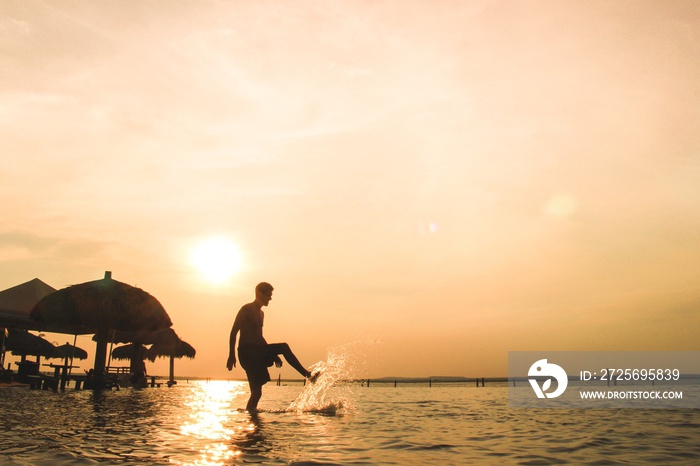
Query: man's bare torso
250	318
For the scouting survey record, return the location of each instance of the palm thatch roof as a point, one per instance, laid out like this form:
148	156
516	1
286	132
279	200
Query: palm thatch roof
68	351
129	351
23	343
145	337
17	302
171	347
100	305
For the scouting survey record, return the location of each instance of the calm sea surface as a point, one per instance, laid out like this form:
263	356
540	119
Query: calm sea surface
203	423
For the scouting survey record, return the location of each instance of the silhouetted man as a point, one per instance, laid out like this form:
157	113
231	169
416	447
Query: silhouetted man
255	354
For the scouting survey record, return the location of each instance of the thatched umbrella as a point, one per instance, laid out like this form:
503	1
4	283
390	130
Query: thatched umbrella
138	339
130	351
69	351
98	307
145	337
170	345
134	352
22	343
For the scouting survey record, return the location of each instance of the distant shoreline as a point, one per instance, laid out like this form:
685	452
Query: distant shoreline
382	380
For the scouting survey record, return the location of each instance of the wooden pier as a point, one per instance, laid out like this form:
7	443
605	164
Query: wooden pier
433	381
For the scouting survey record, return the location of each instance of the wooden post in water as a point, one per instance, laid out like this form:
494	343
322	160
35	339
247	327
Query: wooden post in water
483	382
430	382
64	375
477	382
394	383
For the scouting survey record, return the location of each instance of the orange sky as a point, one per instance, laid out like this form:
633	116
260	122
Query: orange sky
433	183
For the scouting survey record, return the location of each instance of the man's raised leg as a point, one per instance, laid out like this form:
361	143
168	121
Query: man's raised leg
286	351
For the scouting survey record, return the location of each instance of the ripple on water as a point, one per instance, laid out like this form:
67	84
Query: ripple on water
198	424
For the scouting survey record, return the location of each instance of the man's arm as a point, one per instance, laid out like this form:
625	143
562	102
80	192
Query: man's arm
231	363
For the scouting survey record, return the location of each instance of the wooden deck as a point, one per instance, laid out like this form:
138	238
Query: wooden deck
116	377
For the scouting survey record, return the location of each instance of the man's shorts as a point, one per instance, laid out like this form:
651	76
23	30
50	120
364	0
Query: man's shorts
255	359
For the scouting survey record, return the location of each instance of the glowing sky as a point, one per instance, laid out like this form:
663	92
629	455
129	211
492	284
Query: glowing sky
450	180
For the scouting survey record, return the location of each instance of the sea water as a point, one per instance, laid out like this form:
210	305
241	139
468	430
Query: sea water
330	422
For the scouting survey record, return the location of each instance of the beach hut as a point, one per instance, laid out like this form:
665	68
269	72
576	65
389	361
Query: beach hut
15	305
17	302
98	307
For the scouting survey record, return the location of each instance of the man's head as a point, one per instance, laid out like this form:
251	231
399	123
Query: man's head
263	293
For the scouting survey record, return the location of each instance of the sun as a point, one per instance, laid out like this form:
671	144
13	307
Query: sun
216	259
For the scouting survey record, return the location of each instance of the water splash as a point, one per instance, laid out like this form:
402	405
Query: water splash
318	397
327	395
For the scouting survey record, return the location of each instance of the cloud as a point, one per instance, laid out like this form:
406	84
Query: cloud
29	247
501	157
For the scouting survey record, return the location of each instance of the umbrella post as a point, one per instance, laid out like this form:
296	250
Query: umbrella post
100	358
172	371
111	347
72	354
2	353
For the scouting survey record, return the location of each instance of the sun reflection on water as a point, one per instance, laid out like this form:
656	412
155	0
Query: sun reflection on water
210	410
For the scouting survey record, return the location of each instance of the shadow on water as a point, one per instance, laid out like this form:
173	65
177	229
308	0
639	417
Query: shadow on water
274	434
250	443
282	437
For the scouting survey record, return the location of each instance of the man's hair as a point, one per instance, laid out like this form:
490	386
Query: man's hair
264	288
